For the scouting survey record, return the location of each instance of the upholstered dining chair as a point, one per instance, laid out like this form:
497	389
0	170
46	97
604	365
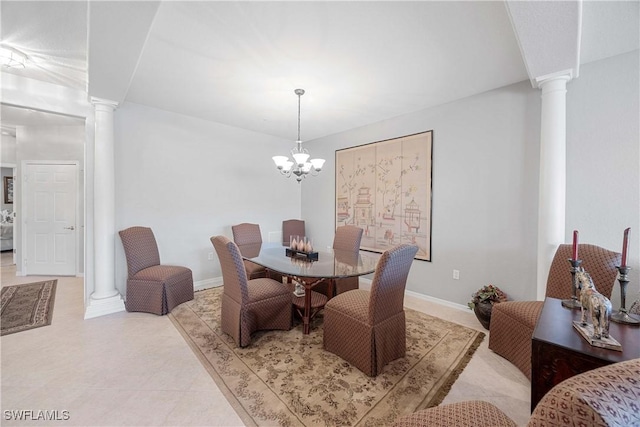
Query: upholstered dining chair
367	328
513	322
291	227
249	305
249	234
152	287
347	238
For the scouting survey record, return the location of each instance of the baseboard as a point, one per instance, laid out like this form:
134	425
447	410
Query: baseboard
366	284
104	306
437	300
19	273
79	274
201	285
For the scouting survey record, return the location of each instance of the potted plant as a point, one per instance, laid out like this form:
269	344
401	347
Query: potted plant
482	302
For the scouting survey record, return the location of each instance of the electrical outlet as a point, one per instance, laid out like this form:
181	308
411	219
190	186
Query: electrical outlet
210	256
456	274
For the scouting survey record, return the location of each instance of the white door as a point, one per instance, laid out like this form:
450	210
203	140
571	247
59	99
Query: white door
50	219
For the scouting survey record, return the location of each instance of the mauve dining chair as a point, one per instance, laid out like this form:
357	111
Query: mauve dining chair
248	305
152	287
367	328
249	234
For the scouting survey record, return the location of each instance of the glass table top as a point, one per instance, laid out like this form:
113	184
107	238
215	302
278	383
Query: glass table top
331	263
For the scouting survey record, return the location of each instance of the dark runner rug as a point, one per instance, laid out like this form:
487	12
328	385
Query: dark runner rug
286	378
27	306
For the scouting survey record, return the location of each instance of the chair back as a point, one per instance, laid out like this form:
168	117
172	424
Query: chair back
234	276
140	249
246	234
389	281
600	263
347	238
291	227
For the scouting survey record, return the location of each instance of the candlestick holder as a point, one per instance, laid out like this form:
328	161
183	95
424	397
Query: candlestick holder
573	302
622	316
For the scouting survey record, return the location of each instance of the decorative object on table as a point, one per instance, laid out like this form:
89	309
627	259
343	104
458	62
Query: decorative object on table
575	265
622	315
301	166
482	302
301	247
599	308
385	188
586	331
261	390
301	244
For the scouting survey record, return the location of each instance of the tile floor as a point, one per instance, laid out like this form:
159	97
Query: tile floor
135	369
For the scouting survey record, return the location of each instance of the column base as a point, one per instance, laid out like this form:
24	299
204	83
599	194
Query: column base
104	306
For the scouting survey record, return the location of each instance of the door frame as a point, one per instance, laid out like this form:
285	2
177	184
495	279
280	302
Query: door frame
23	207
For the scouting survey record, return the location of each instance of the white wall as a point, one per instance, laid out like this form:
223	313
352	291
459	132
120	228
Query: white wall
8	150
603	158
50	143
190	179
485	179
484	170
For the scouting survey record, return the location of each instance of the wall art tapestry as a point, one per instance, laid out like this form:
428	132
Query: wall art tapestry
385	188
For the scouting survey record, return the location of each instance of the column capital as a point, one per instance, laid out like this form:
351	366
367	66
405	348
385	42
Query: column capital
104	104
560	76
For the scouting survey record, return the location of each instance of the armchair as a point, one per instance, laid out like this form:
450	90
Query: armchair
513	322
607	396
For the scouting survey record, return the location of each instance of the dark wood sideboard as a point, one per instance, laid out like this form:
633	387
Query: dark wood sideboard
559	352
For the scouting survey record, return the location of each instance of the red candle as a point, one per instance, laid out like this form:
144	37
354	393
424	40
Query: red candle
575	244
625	247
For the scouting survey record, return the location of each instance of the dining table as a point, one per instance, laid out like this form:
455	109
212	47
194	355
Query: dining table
329	265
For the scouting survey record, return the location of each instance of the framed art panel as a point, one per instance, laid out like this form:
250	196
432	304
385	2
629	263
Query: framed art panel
385	188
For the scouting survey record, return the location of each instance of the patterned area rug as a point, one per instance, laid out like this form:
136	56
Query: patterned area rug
286	378
27	306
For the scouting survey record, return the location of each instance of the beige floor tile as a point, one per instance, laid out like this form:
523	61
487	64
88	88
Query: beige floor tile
136	369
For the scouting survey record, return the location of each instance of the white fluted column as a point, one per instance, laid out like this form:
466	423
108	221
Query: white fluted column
105	299
553	173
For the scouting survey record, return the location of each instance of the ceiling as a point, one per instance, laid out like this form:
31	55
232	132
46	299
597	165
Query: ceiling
238	63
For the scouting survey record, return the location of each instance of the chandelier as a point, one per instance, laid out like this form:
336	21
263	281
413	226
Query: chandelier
11	58
300	166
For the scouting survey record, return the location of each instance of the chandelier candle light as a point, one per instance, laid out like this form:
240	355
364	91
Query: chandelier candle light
301	166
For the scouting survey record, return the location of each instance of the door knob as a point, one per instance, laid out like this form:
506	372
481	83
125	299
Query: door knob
70	228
